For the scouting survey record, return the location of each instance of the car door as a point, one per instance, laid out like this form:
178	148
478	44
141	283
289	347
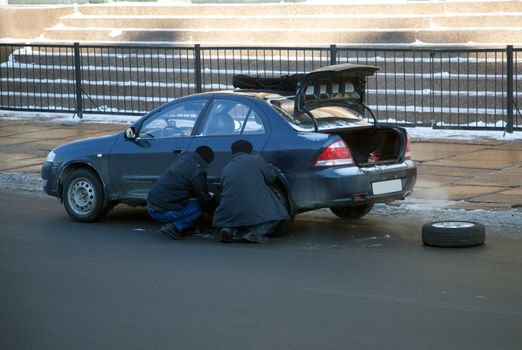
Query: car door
160	138
229	119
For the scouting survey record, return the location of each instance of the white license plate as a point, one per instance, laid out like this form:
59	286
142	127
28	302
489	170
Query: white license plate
389	186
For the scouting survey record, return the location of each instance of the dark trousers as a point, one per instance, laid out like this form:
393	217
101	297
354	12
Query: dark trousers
262	229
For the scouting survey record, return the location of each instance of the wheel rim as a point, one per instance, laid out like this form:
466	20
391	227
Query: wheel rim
453	224
82	196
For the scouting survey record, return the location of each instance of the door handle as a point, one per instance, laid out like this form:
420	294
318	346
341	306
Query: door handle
177	151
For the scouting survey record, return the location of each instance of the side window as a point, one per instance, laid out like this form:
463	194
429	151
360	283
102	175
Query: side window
253	124
175	121
227	117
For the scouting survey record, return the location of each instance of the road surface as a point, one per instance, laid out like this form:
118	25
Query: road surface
329	284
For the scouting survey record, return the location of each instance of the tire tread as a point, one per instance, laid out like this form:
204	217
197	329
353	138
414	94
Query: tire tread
452	237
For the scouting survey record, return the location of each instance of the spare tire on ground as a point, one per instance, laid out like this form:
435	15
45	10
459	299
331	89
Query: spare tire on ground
453	234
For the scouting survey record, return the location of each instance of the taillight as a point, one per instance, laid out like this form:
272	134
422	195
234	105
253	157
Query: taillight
407	155
337	153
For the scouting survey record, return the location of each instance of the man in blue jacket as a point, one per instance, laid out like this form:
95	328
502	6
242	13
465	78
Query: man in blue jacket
248	208
180	196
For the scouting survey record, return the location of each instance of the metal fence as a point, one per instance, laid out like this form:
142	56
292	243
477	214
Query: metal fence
444	88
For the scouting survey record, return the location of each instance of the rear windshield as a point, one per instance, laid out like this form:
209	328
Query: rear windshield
327	117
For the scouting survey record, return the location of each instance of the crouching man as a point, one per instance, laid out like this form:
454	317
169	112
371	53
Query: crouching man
180	196
248	209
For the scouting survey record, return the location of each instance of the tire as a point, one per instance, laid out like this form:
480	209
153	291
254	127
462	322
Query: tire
352	212
281	194
453	234
83	196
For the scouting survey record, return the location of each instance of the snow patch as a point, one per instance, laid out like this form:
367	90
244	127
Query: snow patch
433	210
414	132
429	133
115	33
68	117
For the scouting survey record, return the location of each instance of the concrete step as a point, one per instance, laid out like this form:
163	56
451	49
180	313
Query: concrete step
284	37
30	101
310	22
115	55
483	20
137	105
261	61
403	23
289	9
220	76
389	94
386	23
230	36
415	114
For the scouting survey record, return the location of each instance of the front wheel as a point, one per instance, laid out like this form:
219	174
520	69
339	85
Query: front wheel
352	212
83	196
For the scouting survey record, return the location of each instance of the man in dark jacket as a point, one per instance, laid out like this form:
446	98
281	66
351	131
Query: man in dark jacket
180	195
247	202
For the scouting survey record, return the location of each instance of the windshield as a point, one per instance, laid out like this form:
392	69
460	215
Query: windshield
327	117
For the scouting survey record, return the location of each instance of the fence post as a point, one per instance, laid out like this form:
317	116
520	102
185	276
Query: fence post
433	122
509	89
333	54
78	75
197	67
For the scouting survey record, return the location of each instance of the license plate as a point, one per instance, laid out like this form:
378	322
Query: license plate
389	186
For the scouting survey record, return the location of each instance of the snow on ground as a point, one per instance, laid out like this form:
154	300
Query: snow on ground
68	117
429	133
428	209
437	210
415	133
411	207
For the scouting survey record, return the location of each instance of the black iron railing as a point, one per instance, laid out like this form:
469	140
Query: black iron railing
444	88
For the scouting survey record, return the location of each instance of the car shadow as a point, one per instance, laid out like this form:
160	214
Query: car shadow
318	226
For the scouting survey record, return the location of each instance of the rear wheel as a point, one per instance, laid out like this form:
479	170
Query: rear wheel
352	212
281	194
83	196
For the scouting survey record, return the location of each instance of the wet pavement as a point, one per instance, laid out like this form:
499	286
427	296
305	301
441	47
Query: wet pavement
480	174
328	283
476	174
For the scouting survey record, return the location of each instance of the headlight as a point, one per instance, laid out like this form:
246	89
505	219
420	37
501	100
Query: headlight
50	157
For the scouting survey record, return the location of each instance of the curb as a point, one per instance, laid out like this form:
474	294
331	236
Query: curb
21	181
431	210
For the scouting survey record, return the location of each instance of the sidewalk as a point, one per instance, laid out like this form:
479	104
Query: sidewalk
478	174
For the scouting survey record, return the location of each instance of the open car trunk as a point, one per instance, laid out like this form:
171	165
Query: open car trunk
375	145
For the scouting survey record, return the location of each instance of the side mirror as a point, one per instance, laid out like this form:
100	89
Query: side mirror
130	133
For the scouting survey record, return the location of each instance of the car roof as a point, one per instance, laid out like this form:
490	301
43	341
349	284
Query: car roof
259	94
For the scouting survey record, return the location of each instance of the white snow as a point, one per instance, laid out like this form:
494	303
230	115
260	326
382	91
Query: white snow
115	33
68	117
429	133
415	133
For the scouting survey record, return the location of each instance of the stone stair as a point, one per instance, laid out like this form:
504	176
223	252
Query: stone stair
297	24
123	73
414	87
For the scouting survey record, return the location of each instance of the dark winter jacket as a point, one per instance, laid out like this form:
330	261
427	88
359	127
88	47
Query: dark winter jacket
246	198
186	178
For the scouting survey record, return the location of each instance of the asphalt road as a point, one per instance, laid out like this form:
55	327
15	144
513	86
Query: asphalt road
120	284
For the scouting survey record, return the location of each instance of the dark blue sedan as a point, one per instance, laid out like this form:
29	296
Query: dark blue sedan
313	127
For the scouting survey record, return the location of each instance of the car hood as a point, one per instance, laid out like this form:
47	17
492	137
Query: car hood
86	147
332	84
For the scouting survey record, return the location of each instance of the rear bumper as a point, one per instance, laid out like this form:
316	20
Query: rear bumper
350	186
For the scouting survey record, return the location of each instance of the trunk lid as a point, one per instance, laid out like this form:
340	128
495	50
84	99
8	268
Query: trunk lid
336	84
